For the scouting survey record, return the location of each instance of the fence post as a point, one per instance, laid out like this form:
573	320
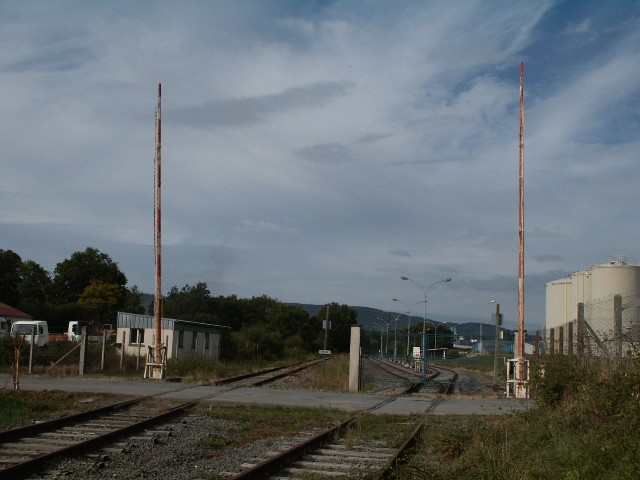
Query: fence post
83	350
33	337
581	334
617	325
124	335
104	344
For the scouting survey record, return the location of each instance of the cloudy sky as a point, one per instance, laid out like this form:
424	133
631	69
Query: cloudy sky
316	151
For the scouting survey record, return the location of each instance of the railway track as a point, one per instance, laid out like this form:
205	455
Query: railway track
27	450
439	380
256	379
330	455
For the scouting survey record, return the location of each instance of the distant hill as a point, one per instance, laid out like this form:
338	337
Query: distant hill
463	326
367	316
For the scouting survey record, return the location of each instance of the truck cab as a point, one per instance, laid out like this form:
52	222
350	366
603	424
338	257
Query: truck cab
74	331
28	327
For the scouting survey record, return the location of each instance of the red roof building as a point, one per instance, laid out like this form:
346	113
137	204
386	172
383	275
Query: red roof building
13	314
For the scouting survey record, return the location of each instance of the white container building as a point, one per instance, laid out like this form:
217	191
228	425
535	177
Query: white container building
136	333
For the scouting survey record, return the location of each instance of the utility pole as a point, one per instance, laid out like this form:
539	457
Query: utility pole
326	327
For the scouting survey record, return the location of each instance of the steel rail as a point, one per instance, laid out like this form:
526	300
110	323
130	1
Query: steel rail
273	464
393	463
36	464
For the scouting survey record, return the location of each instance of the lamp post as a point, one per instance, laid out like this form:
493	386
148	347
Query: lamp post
481	347
408	321
387	324
381	331
495	348
395	334
424	325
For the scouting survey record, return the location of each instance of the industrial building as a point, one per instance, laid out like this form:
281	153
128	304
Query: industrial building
136	332
595	312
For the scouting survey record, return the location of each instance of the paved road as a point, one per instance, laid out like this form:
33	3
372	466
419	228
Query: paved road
267	396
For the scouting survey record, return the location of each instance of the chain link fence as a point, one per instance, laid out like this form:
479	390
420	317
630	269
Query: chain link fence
64	357
607	327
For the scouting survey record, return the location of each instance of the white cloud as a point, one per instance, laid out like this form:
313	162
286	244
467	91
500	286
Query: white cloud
316	152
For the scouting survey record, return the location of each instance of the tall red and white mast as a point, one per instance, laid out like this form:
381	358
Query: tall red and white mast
521	367
158	235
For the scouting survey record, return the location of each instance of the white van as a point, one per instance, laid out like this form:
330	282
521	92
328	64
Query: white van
26	327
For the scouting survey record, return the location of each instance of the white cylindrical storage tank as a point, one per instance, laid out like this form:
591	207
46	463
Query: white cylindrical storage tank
581	286
558	303
614	278
608	280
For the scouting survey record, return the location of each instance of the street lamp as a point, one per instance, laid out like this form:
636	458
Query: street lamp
387	324
408	321
395	334
381	330
481	346
424	325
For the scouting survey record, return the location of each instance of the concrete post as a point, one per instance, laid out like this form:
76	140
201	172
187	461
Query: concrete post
83	350
354	360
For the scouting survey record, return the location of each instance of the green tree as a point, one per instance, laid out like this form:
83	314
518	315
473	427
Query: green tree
103	299
133	301
74	274
258	342
10	263
188	303
34	283
342	317
292	321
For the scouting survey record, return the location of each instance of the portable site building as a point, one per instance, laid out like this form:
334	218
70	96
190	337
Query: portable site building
8	315
136	333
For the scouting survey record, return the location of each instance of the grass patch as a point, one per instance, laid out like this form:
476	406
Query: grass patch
195	367
390	430
253	423
331	375
586	426
20	407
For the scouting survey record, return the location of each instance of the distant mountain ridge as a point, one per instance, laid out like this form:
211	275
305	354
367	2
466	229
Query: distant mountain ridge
464	326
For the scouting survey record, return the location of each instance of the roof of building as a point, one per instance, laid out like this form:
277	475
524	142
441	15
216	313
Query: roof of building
133	320
10	312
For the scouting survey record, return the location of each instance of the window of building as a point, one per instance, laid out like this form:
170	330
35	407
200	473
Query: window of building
181	339
194	340
206	341
136	336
